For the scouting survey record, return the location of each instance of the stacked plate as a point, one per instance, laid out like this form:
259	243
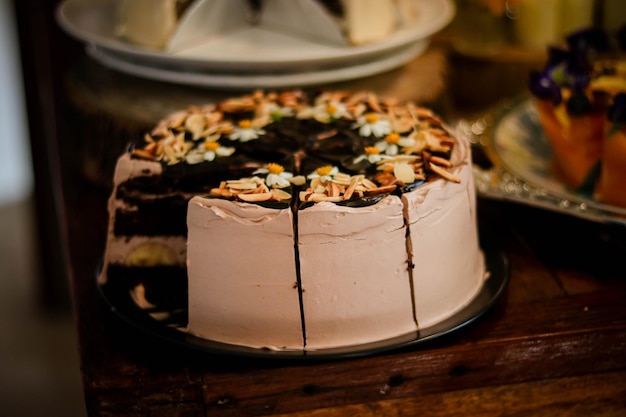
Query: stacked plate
250	56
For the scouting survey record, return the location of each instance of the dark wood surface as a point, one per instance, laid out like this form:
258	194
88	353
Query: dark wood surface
553	345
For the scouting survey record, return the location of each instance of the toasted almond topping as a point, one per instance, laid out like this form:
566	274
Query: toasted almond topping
318	197
159	130
255	197
242	186
316	182
369	184
326	135
195	124
372	100
279	195
350	190
440	161
141	153
404	172
177	119
342	179
298	180
382	189
444	173
151	147
358	109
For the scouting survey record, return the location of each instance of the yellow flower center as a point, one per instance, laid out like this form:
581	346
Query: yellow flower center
245	124
211	146
275	168
392	138
325	170
371	118
372	150
331	108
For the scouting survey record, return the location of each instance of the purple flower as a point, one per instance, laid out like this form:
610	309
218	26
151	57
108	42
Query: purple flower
543	87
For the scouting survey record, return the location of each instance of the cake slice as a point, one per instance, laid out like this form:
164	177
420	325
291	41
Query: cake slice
356	287
448	267
243	288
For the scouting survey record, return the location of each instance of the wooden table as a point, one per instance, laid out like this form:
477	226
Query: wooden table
553	345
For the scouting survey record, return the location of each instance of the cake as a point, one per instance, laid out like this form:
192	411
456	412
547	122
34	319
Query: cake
149	23
173	25
294	221
580	97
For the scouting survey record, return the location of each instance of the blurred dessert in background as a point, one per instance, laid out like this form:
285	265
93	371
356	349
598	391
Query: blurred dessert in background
157	24
580	96
149	23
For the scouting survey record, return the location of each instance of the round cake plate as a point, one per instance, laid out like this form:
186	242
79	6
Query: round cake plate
497	264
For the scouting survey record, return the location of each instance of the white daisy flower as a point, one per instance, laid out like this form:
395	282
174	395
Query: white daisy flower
208	151
393	142
276	177
372	154
325	112
372	124
276	111
324	173
245	132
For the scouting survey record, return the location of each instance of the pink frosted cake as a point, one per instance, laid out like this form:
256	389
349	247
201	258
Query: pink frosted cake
288	222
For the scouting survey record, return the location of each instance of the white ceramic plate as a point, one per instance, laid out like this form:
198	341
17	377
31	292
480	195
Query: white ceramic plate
251	49
239	81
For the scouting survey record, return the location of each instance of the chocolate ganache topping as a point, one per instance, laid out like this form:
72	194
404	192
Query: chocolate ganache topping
346	148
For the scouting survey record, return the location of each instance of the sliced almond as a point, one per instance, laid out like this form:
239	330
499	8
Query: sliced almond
327	134
298	180
280	195
255	197
444	173
141	153
373	102
350	190
151	147
177	119
369	184
382	189
440	161
341	178
195	123
317	198
404	172
333	190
